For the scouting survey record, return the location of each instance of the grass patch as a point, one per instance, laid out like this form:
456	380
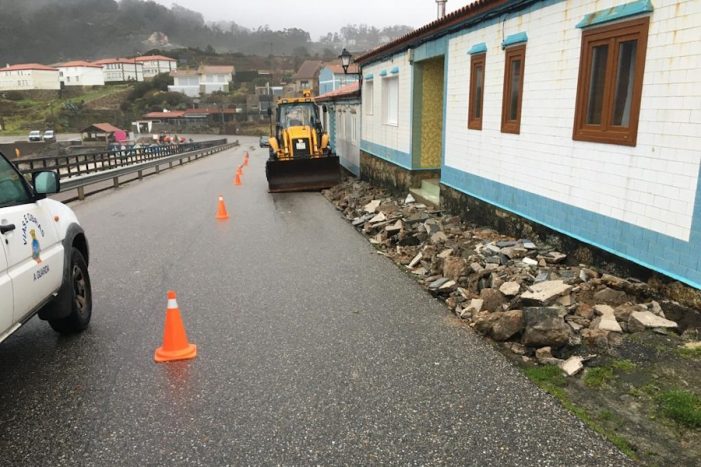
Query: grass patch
683	407
550	379
694	354
624	365
597	377
546	374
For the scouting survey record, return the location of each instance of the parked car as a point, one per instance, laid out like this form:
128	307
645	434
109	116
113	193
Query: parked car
264	142
49	136
35	136
44	262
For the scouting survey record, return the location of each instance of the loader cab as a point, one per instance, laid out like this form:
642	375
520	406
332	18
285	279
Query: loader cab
298	114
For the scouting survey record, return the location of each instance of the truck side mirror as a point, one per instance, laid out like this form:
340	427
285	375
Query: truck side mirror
46	183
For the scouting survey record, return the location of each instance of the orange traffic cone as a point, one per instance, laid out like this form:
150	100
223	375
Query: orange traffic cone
221	209
245	158
237	178
175	344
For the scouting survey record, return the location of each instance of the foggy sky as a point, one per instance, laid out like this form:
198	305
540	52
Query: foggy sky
317	16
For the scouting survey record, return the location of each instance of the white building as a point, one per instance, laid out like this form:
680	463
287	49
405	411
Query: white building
342	123
156	64
205	80
119	70
29	76
81	73
579	117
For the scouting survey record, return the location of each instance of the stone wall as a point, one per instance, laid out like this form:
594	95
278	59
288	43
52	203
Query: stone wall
391	176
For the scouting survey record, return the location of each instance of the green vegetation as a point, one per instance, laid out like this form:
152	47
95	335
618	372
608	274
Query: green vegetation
694	354
550	379
597	377
683	407
624	365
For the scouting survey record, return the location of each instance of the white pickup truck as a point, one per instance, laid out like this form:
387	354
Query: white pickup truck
43	256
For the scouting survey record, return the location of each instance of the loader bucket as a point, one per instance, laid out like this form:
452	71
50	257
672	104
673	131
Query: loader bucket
302	174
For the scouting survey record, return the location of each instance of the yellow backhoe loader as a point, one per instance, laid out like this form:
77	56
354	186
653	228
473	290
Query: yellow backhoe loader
300	156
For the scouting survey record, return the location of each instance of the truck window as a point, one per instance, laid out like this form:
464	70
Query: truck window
12	188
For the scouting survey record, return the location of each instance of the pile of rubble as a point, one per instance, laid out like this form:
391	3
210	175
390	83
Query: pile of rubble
526	296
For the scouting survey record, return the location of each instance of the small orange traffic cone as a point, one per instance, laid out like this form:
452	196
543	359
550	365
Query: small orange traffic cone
221	209
175	344
237	178
245	158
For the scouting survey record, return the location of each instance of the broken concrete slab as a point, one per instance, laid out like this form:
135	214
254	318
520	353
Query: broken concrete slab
546	292
510	289
416	260
641	320
372	206
545	327
378	218
572	365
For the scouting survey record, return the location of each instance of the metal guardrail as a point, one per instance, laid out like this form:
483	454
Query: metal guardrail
124	164
80	164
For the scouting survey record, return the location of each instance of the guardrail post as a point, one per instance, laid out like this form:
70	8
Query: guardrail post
81	193
158	169
141	174
115	182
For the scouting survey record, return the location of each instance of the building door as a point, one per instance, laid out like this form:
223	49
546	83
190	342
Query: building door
427	125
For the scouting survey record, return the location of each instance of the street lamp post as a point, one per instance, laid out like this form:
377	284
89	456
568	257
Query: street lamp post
346	58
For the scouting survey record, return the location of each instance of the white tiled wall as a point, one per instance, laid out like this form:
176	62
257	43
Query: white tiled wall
374	129
652	185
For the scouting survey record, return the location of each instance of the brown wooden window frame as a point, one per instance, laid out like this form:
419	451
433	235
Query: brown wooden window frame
511	53
476	60
612	36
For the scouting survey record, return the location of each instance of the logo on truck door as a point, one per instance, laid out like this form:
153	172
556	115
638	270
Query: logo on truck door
32	228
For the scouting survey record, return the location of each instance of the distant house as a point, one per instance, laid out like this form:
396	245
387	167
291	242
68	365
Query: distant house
120	70
332	77
342	123
307	77
81	73
156	64
180	119
103	132
205	80
29	76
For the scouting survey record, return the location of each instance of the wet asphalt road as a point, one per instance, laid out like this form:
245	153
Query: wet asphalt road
312	348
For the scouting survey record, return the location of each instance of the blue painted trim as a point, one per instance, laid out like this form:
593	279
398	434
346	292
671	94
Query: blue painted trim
394	70
615	13
369	77
675	258
383	73
478	49
402	159
431	49
513	39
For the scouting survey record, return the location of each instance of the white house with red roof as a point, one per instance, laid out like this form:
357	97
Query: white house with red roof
120	70
205	80
157	64
29	76
81	73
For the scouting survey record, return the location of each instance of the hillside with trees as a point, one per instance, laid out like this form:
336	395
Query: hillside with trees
49	31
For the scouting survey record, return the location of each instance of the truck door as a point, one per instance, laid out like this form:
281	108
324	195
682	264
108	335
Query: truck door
34	252
5	294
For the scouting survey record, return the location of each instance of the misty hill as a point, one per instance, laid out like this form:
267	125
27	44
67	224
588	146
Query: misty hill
50	31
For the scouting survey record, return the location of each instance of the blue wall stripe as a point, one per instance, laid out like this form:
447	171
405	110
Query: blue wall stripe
402	159
394	70
668	255
616	12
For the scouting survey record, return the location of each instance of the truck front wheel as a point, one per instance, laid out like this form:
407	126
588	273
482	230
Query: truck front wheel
79	299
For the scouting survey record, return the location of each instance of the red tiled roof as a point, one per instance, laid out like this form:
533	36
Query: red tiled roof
308	70
28	66
104	127
337	69
349	90
106	61
149	58
78	63
209	110
165	115
470	10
